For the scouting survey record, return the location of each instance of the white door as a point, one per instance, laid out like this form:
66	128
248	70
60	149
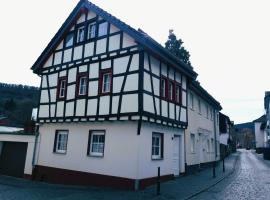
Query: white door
176	155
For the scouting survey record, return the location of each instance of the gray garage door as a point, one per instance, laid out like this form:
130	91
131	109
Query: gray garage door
12	159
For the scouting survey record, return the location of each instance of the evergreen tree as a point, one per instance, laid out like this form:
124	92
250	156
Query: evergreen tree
174	45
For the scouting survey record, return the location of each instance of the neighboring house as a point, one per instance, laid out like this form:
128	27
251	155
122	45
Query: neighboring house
16	152
260	133
227	144
202	135
267	115
113	105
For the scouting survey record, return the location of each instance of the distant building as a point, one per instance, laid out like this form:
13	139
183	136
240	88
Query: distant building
260	132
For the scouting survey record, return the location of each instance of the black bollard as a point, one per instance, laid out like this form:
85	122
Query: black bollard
223	162
214	169
158	182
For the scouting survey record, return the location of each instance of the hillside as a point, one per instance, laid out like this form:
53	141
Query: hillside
17	102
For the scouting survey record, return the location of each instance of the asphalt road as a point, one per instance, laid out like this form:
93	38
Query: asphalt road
250	181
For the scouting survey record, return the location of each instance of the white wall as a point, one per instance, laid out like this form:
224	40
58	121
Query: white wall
30	140
203	128
259	135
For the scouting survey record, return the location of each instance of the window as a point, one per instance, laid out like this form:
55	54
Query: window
199	106
207	111
69	40
62	87
157	146
191	99
208	145
171	91
212	145
80	34
96	143
103	29
60	141
82	83
91	31
106	81
192	143
163	86
178	96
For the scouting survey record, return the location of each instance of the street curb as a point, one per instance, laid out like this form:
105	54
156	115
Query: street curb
215	183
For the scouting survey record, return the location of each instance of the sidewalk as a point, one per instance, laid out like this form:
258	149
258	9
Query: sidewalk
188	186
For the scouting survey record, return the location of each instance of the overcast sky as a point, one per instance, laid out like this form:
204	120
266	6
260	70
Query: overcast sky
229	41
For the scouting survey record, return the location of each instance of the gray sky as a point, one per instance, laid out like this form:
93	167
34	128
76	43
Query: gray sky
229	41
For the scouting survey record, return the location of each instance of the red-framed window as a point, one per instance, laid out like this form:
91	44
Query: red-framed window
105	81
171	90
178	93
82	84
62	88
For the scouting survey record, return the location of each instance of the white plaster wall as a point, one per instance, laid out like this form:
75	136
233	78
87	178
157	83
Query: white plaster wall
89	49
197	122
128	41
30	140
129	103
148	167
114	42
120	153
259	135
101	46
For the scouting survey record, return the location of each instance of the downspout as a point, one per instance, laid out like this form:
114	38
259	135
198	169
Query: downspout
35	145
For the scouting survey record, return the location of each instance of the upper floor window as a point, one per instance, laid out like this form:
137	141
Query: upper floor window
191	100
80	34
171	91
199	106
62	87
82	84
178	96
207	111
69	40
163	87
96	143
91	31
157	146
106	81
60	141
103	29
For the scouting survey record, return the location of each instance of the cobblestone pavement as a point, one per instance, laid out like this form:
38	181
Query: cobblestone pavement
251	181
180	188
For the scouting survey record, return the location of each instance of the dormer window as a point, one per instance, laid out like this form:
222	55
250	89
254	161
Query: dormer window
69	40
82	82
62	87
103	29
91	31
80	34
106	81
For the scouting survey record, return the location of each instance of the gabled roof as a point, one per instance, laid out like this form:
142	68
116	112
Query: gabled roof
199	90
260	119
142	38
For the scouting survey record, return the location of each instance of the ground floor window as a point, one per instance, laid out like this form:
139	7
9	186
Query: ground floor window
192	143
157	146
60	142
96	143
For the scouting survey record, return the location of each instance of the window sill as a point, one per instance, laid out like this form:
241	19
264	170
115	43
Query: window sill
60	153
95	156
157	159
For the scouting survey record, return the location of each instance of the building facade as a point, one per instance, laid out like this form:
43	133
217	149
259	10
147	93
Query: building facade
202	134
113	104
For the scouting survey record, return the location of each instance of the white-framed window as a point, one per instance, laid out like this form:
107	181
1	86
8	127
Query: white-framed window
82	85
80	34
60	143
69	40
96	143
170	90
106	81
192	143
62	86
157	146
91	31
199	106
163	88
207	111
211	113
103	29
191	100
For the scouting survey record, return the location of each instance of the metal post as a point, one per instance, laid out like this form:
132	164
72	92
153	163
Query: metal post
158	182
223	162
214	169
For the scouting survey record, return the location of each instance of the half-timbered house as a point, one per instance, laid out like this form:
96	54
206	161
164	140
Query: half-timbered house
113	104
